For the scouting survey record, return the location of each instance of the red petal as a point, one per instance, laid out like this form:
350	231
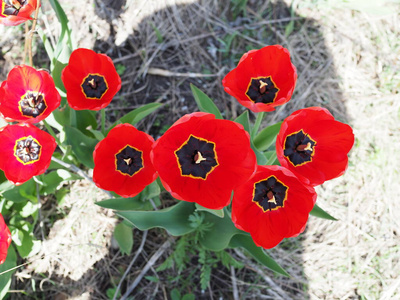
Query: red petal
105	174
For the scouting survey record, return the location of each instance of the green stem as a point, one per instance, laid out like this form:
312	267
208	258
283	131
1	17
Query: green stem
257	124
103	122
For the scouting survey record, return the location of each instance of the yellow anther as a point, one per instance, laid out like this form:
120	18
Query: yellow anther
128	161
308	147
92	83
199	158
263	84
272	200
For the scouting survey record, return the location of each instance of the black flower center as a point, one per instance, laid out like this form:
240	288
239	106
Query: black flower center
27	150
196	157
12	7
270	194
129	161
32	104
94	86
299	148
262	90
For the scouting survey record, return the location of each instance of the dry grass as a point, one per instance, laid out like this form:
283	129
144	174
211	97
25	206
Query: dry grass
348	61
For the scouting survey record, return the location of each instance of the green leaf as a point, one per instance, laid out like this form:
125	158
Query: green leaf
224	234
56	70
220	234
261	160
266	137
29	246
5	186
137	114
46	43
174	219
5	277
188	297
82	145
121	203
21	193
204	103
152	278
217	212
123	234
243	119
320	213
139	202
246	242
53	179
85	119
175	294
59	118
28	209
97	134
271	158
65	36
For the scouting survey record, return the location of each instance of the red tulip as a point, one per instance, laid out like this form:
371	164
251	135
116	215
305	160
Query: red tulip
202	159
272	205
25	152
5	240
263	79
312	144
90	79
122	161
15	12
28	95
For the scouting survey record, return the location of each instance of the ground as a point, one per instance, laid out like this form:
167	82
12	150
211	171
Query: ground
347	57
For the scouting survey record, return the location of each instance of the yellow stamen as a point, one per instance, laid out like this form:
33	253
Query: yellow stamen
308	147
271	197
128	161
199	158
92	83
263	84
304	147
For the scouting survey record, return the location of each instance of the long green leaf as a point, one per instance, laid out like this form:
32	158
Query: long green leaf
137	114
82	145
123	234
22	192
139	202
204	103
266	137
53	179
246	242
320	213
243	119
86	119
65	36
224	234
220	234
217	212
5	277
174	219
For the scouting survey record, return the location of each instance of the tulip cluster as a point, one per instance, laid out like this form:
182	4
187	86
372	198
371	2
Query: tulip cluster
311	147
29	96
200	158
